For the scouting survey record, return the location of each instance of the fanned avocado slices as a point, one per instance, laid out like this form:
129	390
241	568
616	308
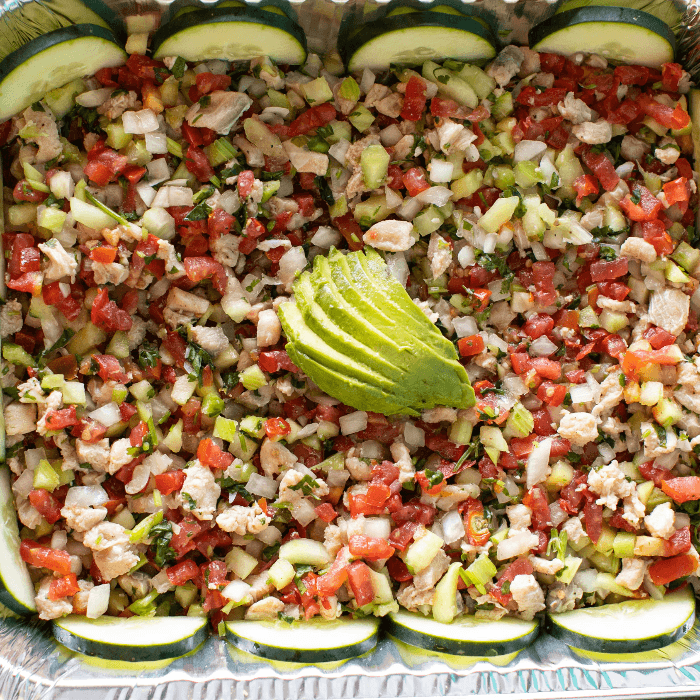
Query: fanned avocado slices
353	329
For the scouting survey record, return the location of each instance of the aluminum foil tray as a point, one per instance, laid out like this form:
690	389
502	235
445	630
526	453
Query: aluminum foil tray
34	667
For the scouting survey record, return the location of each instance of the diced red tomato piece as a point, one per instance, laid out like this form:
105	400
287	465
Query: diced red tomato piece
602	270
63	587
602	167
538	325
46	504
414	99
107	315
593	517
197	163
552	394
350	230
204	267
360	581
414	181
311	119
370	547
682	488
664	571
585	185
470	345
326	512
182	572
45	557
211	455
169	482
669	117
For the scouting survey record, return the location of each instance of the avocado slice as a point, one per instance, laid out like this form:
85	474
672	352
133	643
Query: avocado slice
367	344
304	340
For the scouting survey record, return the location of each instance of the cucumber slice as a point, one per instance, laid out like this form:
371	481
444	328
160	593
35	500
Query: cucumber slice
132	638
617	33
52	60
410	39
631	626
310	642
663	9
16	588
231	34
465	636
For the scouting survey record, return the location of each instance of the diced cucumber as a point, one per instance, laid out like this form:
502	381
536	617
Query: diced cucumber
444	602
240	562
421	552
281	574
305	551
374	162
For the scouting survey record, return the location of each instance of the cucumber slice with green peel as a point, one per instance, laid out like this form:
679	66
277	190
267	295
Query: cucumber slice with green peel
464	636
617	33
231	34
16	587
310	642
132	638
412	38
627	627
52	60
662	9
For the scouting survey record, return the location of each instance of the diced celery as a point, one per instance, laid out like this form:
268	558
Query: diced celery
186	594
145	606
243	447
339	208
482	83
461	432
608	563
174	148
421	552
173	440
361	118
281	574
116	136
212	405
253	378
491	436
142	391
340	130
336	461
21	214
568	166
468	184
17	355
527	174
137	153
62	99
33	175
51	218
317	91
374	162
604	545
45	476
450	84
588	318
87	337
253	426
623	544
667	412
503	176
480	572
74	393
89	215
675	275
141	531
520	421
504	141
613	321
501	211
562	473
220	152
225	428
372	210
349	89
428	221
240	562
686	256
571	566
119	345
503	106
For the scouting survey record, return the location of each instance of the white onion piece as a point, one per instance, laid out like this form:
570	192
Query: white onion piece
339	149
304	512
542	347
539	251
466	256
34	456
398	267
325	237
146	192
86	496
59	539
581	393
586	580
409	209
528	150
108	414
441	170
377	527
367	81
353	422
547	168
393	199
625	169
161	582
452	527
538	463
156	143
464	326
94	98
270	535
337	477
229	201
142	122
391	135
439	196
158	171
413	435
293	261
24	484
238	591
371	449
98	601
260	485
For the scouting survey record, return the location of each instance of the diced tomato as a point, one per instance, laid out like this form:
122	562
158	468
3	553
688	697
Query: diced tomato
538	325
414	99
520	567
682	488
602	167
192	416
336	575
530	97
169	482
552	394
656	474
57	419
398	571
211	455
360	581
475	524
245	183
370	547
326	512
110	369
632	75
543	277
645	206
671	74
684	169
107	315
277	428
677	191
614	346
414	181
395	177
401	537
24	192
45	557
209	540
219	223
311	119
63	587
29	282
654	232
602	270
440	107
593	517
415	512
678	543
182	541
546	368
536	500
182	572
635	360
276	360
658	337
669	117
543	422
664	571
350	230
470	345
208	82
46	504
197	163
204	267
585	185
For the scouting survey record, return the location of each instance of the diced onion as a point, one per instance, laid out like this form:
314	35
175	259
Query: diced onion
304	512
270	535
625	169
542	347
581	393
464	326
158	171
409	209
24	484
161	582
98	601
86	496
337	477
371	449
339	149
367	81
377	527
606	452
156	143
452	527
353	422
108	414
439	196
441	170
528	150
237	591
325	237
94	98
142	122
393	199
538	463
397	266
59	539
33	457
466	256
146	192
260	485
391	135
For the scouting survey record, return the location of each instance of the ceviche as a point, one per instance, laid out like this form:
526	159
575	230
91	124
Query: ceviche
285	343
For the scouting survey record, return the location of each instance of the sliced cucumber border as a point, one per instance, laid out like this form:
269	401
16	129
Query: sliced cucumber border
602	14
304	656
46	41
227	14
578	640
120	651
395	626
413	20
